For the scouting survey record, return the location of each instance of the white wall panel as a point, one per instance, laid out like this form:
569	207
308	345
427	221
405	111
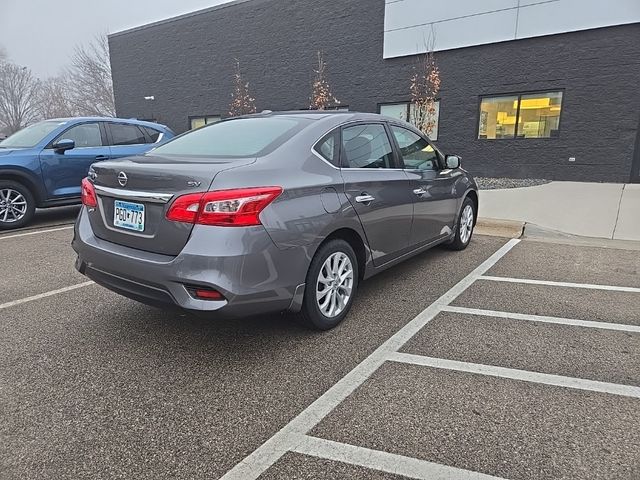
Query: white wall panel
572	15
488	28
425	11
409	24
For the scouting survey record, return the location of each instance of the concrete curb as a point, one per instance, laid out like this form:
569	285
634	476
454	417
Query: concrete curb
499	228
517	229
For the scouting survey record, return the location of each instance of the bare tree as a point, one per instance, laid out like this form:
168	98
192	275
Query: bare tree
425	85
18	97
55	99
321	96
242	103
90	77
3	54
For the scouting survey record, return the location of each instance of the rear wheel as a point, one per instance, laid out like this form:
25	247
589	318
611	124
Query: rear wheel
331	285
464	226
17	205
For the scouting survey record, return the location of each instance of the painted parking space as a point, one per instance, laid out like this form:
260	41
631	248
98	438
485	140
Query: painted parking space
598	354
571	263
36	262
496	426
613	306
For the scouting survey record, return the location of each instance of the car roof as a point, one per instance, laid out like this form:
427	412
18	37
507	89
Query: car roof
133	121
340	116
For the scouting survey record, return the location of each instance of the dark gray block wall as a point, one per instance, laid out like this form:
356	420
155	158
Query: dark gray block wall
187	65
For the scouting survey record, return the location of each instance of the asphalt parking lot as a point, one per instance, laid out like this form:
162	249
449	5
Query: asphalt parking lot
511	359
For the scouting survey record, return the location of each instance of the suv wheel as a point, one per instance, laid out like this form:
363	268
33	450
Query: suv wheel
17	205
331	285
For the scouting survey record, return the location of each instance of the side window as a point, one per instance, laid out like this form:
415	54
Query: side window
328	149
366	146
85	135
153	133
126	134
416	151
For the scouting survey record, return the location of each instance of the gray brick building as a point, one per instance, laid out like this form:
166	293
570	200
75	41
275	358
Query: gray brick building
527	91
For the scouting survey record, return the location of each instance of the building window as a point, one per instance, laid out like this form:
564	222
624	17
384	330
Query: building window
197	122
531	115
405	111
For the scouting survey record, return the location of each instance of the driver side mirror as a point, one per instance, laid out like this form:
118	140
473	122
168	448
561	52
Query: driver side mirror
452	161
63	145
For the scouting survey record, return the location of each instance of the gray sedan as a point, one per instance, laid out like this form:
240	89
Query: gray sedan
271	212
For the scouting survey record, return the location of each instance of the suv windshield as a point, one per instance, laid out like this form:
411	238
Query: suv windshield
243	137
30	136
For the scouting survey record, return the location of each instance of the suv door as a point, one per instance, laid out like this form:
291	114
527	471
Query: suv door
63	172
379	192
127	139
433	189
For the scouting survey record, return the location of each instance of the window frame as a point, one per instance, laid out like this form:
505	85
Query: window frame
337	133
519	94
190	118
407	104
103	135
139	127
440	156
397	163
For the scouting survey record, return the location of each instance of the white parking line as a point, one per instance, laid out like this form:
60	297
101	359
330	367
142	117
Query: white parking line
44	295
524	375
383	461
544	319
286	439
561	284
35	232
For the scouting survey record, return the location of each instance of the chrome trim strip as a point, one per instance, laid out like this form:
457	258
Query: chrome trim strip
133	195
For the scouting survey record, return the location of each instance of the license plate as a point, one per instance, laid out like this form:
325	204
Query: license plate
128	215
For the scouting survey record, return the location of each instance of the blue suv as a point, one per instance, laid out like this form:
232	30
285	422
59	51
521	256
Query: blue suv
43	165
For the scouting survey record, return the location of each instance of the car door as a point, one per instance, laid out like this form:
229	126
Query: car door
62	172
377	189
127	139
433	189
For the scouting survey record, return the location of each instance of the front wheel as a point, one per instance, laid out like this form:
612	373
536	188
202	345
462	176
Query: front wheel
331	284
464	226
17	205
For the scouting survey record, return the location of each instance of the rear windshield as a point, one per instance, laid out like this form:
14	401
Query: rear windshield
31	136
242	137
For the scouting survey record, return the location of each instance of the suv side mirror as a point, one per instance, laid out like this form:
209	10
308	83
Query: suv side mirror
452	161
63	145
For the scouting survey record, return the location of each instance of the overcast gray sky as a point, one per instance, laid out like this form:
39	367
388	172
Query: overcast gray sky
41	34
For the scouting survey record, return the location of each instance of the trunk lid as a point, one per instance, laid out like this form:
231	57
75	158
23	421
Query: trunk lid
141	200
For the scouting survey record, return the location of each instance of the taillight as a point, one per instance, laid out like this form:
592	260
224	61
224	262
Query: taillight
88	194
234	208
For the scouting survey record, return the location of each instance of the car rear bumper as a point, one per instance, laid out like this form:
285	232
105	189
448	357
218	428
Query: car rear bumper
243	264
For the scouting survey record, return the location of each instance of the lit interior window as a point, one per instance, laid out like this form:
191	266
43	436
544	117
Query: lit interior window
535	115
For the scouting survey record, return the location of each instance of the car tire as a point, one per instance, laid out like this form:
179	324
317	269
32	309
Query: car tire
17	193
315	314
465	224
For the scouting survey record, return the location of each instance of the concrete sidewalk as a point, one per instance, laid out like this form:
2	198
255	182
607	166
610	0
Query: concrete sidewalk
603	210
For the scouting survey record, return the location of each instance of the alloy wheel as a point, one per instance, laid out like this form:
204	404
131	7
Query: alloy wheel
335	284
466	223
13	205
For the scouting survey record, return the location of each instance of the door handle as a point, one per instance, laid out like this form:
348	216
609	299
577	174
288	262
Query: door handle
420	191
365	198
101	157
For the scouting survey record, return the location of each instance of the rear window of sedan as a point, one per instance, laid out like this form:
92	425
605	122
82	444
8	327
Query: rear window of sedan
243	137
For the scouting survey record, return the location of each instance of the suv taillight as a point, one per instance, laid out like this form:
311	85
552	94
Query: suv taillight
231	208
88	194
